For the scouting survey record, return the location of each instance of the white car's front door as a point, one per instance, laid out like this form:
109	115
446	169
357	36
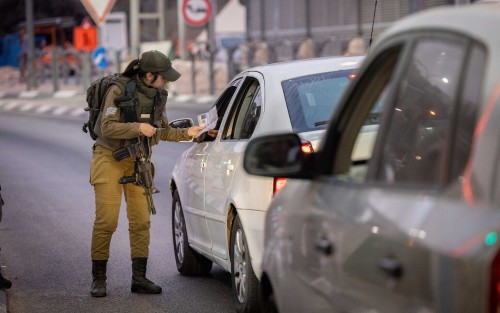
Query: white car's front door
224	161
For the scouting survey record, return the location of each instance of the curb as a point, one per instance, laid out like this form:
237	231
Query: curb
3	301
65	94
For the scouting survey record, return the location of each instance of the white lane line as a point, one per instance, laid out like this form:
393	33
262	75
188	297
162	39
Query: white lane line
183	98
44	108
204	99
78	112
26	107
65	94
28	94
59	110
12	105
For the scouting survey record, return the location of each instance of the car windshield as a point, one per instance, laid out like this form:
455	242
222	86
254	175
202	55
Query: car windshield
311	99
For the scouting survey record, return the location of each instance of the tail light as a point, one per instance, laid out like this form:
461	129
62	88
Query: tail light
495	285
280	182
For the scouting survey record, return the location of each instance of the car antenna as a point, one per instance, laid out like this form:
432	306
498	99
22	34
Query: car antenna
373	22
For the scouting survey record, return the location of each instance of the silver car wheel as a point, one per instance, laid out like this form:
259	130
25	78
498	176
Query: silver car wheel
240	274
178	233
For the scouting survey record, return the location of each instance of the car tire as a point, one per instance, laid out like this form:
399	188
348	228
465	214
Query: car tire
188	261
243	280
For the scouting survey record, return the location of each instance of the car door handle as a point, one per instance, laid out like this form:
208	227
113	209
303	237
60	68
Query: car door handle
203	165
230	167
324	246
391	266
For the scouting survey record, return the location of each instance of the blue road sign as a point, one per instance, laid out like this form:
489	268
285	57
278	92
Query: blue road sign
99	58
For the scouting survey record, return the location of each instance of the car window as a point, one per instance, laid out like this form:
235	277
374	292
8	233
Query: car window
246	111
467	112
311	99
223	101
414	118
414	150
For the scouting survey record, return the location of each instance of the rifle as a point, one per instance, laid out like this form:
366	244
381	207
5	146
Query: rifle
143	168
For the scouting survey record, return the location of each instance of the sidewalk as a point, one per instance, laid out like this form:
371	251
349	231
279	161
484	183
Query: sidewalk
12	88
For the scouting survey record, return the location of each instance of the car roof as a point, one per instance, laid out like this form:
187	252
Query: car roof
477	21
290	69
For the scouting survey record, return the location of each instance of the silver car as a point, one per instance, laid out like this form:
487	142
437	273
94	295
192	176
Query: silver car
218	209
399	210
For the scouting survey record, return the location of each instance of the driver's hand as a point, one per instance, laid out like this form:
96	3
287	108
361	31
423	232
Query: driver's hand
212	133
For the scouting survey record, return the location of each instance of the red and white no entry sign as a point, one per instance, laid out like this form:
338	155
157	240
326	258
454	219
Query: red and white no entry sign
196	12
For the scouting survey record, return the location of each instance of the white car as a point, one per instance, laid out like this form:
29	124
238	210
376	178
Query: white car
399	210
218	209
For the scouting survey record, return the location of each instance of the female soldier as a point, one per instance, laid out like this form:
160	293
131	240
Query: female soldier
151	72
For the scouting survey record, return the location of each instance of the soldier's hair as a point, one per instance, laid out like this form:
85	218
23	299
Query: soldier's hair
133	69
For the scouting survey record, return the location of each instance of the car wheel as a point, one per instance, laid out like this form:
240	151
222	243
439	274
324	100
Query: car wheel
244	282
188	261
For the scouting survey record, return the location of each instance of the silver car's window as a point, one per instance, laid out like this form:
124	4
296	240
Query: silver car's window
414	150
467	112
311	99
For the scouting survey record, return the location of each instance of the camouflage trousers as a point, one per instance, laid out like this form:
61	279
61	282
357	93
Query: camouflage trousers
105	172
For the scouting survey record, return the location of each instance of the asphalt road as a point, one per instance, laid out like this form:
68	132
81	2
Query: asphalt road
47	222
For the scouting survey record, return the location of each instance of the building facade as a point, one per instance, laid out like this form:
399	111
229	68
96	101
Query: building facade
287	27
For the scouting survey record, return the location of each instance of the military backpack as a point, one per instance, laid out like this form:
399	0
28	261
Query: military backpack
96	95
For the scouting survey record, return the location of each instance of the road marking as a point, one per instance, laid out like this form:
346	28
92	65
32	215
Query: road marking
65	94
183	98
44	108
28	94
26	107
77	112
12	105
59	111
204	99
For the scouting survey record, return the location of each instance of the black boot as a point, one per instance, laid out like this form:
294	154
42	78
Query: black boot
99	278
4	282
140	283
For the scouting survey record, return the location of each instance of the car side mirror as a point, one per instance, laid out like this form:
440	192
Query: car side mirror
181	123
275	156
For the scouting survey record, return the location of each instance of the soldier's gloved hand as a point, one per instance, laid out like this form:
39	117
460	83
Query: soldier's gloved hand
146	129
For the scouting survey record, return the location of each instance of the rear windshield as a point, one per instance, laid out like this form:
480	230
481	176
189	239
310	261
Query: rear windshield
311	99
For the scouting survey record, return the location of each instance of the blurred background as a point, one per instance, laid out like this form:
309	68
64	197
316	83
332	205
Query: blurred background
68	44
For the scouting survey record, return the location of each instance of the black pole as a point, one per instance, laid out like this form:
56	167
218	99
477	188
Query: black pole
31	44
262	21
308	19
360	30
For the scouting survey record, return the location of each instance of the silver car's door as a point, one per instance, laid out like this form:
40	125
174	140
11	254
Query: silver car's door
195	168
225	157
376	226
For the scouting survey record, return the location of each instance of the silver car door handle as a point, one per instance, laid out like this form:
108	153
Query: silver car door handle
391	266
230	167
203	165
324	246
